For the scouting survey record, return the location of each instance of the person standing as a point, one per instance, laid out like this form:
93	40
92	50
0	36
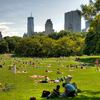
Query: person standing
14	68
97	64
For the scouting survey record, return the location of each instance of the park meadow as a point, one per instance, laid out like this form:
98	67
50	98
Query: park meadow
24	83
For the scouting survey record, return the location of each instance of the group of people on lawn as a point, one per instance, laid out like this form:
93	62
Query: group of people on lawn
70	90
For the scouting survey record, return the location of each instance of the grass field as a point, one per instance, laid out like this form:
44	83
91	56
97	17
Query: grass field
22	86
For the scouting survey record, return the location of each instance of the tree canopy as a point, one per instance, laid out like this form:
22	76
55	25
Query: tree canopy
62	44
91	12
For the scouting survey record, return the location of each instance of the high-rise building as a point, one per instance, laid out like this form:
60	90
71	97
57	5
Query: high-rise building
49	27
0	35
30	26
87	26
73	21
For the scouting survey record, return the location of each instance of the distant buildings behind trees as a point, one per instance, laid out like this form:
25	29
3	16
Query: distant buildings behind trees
72	22
49	27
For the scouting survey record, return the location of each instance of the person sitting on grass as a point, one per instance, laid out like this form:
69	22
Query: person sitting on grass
70	90
68	81
32	98
0	66
54	93
45	93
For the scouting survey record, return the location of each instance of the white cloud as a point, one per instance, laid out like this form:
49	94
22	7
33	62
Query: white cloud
4	29
7	30
14	33
6	23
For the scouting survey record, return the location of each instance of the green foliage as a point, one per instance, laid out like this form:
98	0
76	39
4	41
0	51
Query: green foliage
95	25
12	42
63	43
43	46
97	5
91	12
92	40
3	46
60	34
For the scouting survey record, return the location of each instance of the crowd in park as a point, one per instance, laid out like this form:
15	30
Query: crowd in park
70	90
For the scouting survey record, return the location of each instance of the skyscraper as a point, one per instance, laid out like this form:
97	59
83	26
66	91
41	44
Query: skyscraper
73	21
48	26
30	26
87	26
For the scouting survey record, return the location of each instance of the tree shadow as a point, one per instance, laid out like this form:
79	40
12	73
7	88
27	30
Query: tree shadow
82	97
90	61
91	92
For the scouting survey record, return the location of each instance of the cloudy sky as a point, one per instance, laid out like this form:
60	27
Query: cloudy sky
14	13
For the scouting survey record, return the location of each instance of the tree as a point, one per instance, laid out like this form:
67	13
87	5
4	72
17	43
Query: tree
60	34
54	35
97	5
12	42
91	10
3	46
91	13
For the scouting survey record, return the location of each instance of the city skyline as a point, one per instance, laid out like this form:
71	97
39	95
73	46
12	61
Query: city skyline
14	13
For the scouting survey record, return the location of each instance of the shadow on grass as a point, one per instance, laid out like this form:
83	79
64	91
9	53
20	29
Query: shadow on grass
84	95
27	56
90	61
90	92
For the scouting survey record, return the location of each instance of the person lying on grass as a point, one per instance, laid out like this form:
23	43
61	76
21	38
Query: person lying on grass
46	80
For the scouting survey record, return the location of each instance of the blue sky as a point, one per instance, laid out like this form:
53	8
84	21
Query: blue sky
14	13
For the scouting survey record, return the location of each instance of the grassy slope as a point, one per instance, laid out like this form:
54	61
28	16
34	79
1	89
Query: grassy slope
24	87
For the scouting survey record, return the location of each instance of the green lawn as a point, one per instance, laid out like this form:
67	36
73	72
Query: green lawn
23	86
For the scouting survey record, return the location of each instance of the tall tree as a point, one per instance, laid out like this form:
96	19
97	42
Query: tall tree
91	12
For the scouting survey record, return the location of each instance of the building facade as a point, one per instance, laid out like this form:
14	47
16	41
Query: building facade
49	27
87	24
73	21
30	26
